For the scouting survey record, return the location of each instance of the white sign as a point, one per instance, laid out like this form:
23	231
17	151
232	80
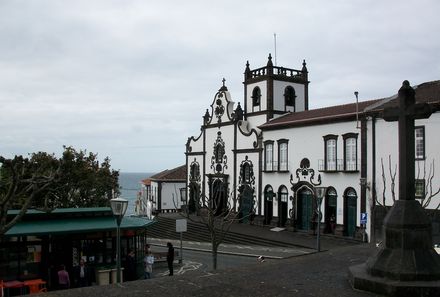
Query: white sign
181	225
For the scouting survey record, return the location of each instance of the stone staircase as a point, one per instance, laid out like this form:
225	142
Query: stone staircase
165	228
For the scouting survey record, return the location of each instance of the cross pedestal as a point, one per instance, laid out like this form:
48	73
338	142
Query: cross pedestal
406	264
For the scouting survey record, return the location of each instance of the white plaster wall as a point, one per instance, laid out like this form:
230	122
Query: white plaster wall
255	121
154	193
197	145
387	145
279	87
308	142
245	142
227	103
168	191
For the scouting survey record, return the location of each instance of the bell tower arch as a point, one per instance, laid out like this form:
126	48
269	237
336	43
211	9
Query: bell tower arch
271	91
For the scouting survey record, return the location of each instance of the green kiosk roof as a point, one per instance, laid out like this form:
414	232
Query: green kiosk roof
63	225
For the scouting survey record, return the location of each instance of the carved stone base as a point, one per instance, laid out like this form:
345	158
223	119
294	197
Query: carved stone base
407	253
406	259
361	280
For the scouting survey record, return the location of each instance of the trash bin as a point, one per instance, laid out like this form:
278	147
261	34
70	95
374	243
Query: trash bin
103	276
113	272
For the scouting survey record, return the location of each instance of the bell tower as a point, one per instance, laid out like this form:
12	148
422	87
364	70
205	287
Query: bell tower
271	91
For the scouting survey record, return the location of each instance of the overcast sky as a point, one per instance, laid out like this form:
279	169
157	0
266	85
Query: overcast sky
132	79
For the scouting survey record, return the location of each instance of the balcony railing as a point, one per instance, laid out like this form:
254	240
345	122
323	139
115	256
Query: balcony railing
273	167
338	166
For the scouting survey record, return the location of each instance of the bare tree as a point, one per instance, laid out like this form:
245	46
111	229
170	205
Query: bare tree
392	174
429	191
217	215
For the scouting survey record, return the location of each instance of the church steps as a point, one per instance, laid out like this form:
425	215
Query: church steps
165	228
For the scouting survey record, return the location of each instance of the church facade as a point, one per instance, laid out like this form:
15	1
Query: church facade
265	158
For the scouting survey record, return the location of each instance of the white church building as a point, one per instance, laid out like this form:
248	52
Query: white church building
264	158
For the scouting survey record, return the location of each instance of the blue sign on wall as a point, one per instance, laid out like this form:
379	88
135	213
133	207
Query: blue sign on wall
364	217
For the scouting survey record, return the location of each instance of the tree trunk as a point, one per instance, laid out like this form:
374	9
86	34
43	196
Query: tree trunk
214	254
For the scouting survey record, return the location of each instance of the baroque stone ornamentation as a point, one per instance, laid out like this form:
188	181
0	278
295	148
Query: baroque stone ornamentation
219	159
306	174
219	109
194	171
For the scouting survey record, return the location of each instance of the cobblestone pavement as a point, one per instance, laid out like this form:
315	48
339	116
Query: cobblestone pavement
316	274
299	270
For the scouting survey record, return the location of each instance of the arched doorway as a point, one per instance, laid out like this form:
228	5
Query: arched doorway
304	208
219	198
331	199
194	197
268	204
350	212
282	206
246	191
246	195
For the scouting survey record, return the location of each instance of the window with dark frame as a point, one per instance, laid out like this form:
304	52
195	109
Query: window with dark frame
330	142
420	142
350	151
284	194
282	155
268	156
420	189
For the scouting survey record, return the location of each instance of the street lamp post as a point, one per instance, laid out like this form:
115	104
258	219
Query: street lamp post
119	207
319	194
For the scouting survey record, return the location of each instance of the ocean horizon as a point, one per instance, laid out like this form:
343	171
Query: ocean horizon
130	185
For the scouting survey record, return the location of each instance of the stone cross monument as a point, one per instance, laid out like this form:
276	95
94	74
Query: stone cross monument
406	264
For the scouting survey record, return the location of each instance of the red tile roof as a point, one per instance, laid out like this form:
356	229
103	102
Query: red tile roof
338	113
175	174
426	92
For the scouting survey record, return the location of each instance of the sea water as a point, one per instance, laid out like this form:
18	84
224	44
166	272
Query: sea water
129	186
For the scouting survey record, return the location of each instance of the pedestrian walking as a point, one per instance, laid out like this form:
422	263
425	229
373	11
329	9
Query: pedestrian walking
170	258
63	278
148	264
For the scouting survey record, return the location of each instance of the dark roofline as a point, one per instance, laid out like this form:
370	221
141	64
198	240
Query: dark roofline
324	115
175	174
427	92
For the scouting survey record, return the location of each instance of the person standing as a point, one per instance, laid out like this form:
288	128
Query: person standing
170	257
82	276
63	278
148	264
130	266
